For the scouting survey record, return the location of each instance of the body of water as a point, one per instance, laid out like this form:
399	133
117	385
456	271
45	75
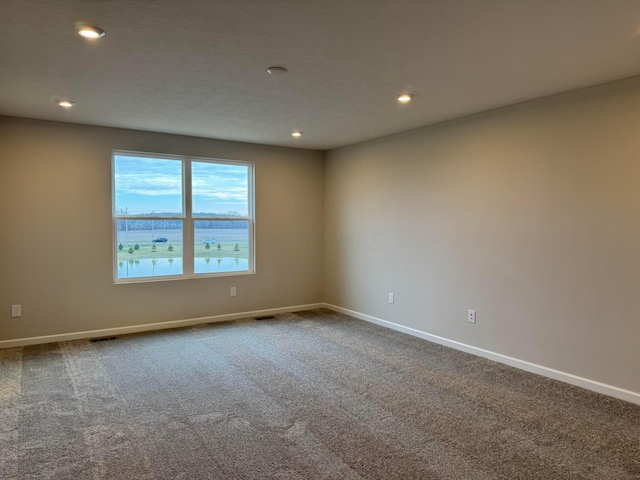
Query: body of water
160	267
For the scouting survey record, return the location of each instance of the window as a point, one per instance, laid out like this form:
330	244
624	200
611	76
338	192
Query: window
181	217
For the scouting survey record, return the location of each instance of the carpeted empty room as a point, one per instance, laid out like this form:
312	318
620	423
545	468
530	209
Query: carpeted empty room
307	395
300	240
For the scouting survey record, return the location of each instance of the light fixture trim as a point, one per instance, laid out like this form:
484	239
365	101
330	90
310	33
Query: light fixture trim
276	70
65	103
297	134
405	97
90	31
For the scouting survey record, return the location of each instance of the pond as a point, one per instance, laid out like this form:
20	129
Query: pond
159	267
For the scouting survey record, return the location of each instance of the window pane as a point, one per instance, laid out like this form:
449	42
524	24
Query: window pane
221	246
149	248
148	186
220	189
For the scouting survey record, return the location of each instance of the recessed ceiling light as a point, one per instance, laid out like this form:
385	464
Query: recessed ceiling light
296	134
276	70
405	98
89	31
65	103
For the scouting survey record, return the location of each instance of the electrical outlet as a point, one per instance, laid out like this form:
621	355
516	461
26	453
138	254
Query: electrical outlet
471	316
391	299
234	292
16	311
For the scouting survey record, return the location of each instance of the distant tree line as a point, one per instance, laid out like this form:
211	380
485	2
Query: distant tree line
171	224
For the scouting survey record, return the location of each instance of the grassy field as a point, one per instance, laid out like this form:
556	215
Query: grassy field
227	239
162	251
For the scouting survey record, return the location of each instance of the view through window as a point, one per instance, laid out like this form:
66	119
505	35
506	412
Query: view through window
181	217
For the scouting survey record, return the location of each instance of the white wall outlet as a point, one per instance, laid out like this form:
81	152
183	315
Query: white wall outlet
234	292
471	316
16	311
391	299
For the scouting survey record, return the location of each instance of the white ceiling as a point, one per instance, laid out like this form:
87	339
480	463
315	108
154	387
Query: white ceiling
198	67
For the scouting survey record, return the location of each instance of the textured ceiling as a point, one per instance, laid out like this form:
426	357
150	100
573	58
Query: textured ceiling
198	67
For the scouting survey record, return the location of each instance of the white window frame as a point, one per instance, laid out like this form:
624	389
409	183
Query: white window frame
188	242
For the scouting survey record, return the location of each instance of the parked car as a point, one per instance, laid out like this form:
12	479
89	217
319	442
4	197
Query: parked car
208	240
160	240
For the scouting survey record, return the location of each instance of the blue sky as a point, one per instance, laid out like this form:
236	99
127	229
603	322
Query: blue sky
148	185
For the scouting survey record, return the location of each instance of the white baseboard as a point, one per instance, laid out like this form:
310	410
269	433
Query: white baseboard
106	332
592	385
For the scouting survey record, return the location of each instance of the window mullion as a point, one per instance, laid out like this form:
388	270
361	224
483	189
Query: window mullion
188	245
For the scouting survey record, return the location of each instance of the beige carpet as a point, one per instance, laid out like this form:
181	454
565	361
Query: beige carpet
313	395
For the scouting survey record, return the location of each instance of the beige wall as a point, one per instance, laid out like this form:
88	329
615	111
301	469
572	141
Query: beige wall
528	214
55	245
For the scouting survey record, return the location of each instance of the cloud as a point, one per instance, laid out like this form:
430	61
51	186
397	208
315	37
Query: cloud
151	177
150	186
216	182
147	176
